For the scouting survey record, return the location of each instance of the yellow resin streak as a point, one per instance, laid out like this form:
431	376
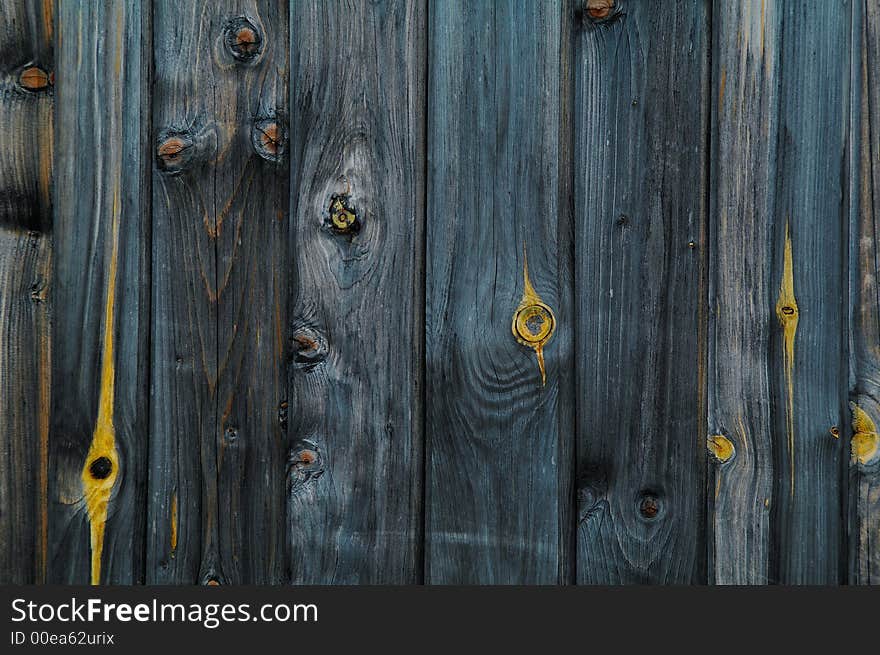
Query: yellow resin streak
864	441
533	322
97	491
787	313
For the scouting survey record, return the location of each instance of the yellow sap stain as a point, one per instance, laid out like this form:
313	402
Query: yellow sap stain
173	524
97	490
864	441
721	87
787	313
533	322
721	447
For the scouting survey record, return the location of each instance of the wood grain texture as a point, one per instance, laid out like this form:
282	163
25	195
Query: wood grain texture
640	198
26	111
355	443
864	369
776	391
220	197
499	443
101	293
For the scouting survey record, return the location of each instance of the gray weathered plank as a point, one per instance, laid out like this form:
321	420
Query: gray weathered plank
781	76
216	505
499	443
641	120
26	112
100	295
355	444
864	269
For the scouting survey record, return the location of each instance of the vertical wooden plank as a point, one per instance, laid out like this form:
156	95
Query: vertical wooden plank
26	111
354	478
499	441
864	490
98	437
781	78
219	292
641	120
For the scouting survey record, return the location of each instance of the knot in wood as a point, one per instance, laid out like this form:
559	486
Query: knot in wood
534	324
649	505
267	137
243	40
304	464
34	78
309	347
343	217
599	9
720	447
173	153
101	468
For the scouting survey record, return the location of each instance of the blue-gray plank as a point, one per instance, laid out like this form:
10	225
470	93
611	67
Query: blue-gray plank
499	441
864	295
781	76
100	298
641	123
354	441
26	114
219	263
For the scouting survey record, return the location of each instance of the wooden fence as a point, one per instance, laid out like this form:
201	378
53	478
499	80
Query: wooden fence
441	291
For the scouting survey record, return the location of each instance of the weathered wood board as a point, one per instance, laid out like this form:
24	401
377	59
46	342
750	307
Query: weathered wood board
100	297
439	291
355	436
640	262
776	390
219	114
26	137
864	311
499	442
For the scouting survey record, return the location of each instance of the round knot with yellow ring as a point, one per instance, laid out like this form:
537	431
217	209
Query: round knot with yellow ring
533	321
343	218
534	324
